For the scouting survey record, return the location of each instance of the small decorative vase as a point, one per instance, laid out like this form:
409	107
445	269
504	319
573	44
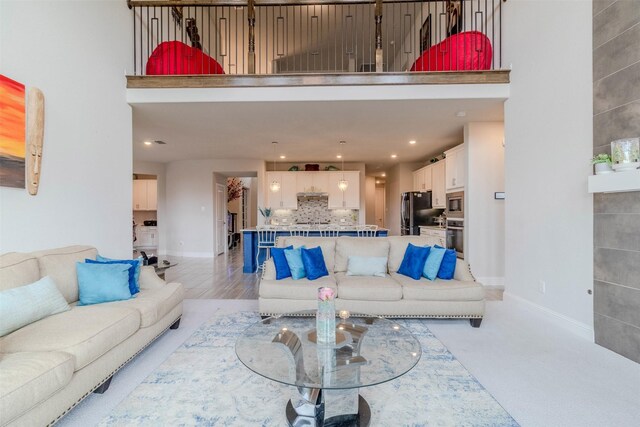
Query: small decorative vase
326	317
603	168
625	154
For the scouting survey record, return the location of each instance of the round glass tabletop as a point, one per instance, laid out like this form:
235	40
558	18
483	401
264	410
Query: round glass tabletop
368	351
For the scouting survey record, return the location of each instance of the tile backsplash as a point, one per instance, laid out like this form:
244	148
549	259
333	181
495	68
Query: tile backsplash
315	210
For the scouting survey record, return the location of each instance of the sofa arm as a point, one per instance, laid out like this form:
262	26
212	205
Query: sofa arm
463	272
149	279
269	270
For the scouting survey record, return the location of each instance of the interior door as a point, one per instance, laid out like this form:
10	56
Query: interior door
379	207
221	219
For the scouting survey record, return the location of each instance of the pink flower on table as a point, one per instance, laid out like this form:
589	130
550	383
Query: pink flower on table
326	294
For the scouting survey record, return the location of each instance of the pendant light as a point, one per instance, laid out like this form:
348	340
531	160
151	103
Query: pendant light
343	183
275	185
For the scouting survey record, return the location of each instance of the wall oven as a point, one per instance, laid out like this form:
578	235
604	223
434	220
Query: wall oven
455	205
455	235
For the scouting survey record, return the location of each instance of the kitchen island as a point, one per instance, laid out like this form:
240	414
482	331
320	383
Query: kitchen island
250	243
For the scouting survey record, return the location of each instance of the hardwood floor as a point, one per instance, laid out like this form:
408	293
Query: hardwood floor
222	278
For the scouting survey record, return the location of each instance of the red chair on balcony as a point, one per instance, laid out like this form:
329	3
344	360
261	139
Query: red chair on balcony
466	51
174	57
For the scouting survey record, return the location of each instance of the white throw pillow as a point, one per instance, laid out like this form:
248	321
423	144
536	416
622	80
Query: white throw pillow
27	304
367	266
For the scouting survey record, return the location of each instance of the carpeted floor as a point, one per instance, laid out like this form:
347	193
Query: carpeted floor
203	383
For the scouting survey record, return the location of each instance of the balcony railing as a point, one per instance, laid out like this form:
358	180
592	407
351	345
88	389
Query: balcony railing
244	37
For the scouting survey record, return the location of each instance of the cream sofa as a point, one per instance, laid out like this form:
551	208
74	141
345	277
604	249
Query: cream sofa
395	295
49	366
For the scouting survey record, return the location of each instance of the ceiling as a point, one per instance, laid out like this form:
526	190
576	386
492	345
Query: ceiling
306	131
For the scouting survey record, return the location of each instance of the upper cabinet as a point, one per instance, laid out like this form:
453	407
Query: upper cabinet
422	179
312	182
439	195
348	199
286	197
455	168
145	195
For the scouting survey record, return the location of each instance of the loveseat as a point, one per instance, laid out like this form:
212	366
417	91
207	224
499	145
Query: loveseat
49	366
394	295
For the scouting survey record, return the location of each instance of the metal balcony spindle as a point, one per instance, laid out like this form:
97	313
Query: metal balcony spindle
379	56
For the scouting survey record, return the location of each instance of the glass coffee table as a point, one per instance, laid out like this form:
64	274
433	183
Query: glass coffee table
368	351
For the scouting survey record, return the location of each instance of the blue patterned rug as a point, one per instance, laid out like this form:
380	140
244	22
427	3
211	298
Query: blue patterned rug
203	384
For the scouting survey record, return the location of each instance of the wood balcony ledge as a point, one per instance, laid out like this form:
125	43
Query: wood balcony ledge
324	79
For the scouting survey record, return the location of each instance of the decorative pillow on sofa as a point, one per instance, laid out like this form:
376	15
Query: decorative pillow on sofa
448	266
134	288
27	304
294	260
367	266
432	265
127	261
98	283
413	261
280	261
313	262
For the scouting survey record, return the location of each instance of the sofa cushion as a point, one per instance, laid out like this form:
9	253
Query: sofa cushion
439	290
303	289
349	246
368	288
30	378
85	332
398	246
18	269
60	264
154	304
327	244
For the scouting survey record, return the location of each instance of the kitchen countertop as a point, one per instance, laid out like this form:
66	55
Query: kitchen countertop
433	227
341	228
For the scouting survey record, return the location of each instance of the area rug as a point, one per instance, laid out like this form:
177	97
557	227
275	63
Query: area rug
203	384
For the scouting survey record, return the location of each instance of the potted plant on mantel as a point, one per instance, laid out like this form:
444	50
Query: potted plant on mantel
602	163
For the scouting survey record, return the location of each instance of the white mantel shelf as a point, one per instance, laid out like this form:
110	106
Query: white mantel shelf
615	182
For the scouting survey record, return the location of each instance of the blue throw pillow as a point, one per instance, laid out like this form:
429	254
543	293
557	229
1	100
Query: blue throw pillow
367	266
280	261
98	283
137	268
314	264
448	266
294	260
432	265
133	287
413	261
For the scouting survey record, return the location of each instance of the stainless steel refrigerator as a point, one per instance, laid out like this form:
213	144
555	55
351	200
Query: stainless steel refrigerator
416	210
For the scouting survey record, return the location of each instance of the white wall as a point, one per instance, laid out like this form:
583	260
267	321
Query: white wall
484	216
548	134
77	55
191	202
370	199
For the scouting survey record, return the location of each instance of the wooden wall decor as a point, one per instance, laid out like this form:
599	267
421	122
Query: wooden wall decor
35	138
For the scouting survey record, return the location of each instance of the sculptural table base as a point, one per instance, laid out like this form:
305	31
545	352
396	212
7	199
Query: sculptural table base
315	416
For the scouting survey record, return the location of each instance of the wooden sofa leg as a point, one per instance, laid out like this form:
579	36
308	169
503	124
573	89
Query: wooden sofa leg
104	386
176	324
475	322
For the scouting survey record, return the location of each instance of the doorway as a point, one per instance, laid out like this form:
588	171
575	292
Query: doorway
221	219
380	203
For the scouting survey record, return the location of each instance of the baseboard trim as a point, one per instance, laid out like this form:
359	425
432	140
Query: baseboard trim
191	254
561	320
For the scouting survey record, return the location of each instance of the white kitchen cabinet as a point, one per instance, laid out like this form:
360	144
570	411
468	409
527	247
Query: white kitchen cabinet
145	195
286	197
439	193
422	179
455	168
146	237
435	236
312	182
348	199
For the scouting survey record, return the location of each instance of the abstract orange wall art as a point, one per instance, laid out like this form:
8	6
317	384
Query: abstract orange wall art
12	133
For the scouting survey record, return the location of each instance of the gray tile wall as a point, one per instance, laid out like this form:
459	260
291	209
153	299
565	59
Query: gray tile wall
616	109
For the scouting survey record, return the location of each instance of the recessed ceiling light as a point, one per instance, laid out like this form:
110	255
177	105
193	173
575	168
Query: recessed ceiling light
339	156
461	114
148	143
283	157
412	142
377	182
384	174
393	156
